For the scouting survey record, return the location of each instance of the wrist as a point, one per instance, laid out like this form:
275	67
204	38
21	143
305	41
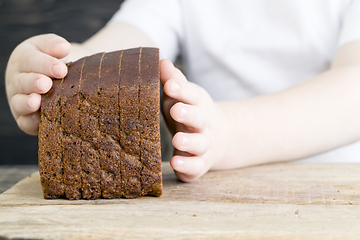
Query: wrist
222	137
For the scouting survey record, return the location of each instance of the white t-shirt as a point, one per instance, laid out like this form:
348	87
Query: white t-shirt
237	49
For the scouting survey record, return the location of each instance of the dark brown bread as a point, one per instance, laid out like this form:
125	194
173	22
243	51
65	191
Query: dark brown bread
129	123
109	124
50	151
89	128
150	128
70	122
99	133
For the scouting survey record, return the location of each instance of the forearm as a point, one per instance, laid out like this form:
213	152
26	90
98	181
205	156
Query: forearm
316	116
112	37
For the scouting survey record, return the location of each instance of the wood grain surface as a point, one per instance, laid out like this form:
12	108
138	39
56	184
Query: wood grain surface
278	201
11	174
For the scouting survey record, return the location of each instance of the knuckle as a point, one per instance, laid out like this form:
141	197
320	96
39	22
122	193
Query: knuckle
197	94
201	118
13	100
27	60
15	82
20	82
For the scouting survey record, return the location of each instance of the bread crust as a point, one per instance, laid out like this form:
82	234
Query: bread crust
99	133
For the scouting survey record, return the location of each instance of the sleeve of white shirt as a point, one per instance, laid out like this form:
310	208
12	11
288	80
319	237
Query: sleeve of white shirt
160	20
350	30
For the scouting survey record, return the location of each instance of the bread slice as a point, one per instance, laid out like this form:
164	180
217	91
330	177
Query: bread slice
50	150
150	128
99	133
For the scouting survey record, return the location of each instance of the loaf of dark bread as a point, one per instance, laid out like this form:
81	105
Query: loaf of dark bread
99	133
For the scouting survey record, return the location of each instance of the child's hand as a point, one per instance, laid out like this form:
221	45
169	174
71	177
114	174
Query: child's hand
198	125
28	73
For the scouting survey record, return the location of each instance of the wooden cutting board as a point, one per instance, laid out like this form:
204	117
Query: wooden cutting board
277	201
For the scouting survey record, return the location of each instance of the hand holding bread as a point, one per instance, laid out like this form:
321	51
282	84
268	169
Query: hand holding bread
28	74
197	123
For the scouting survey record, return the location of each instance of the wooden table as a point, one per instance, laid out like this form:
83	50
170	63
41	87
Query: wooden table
278	201
11	174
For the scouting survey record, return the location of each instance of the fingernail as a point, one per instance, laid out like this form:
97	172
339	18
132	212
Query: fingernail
38	85
185	142
43	85
180	162
35	118
29	102
175	86
183	113
57	70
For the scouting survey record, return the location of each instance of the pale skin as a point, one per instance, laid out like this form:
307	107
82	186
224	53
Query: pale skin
318	115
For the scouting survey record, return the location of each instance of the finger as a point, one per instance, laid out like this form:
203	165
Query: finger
23	104
52	45
168	71
191	116
188	169
29	123
27	83
39	62
185	92
193	143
